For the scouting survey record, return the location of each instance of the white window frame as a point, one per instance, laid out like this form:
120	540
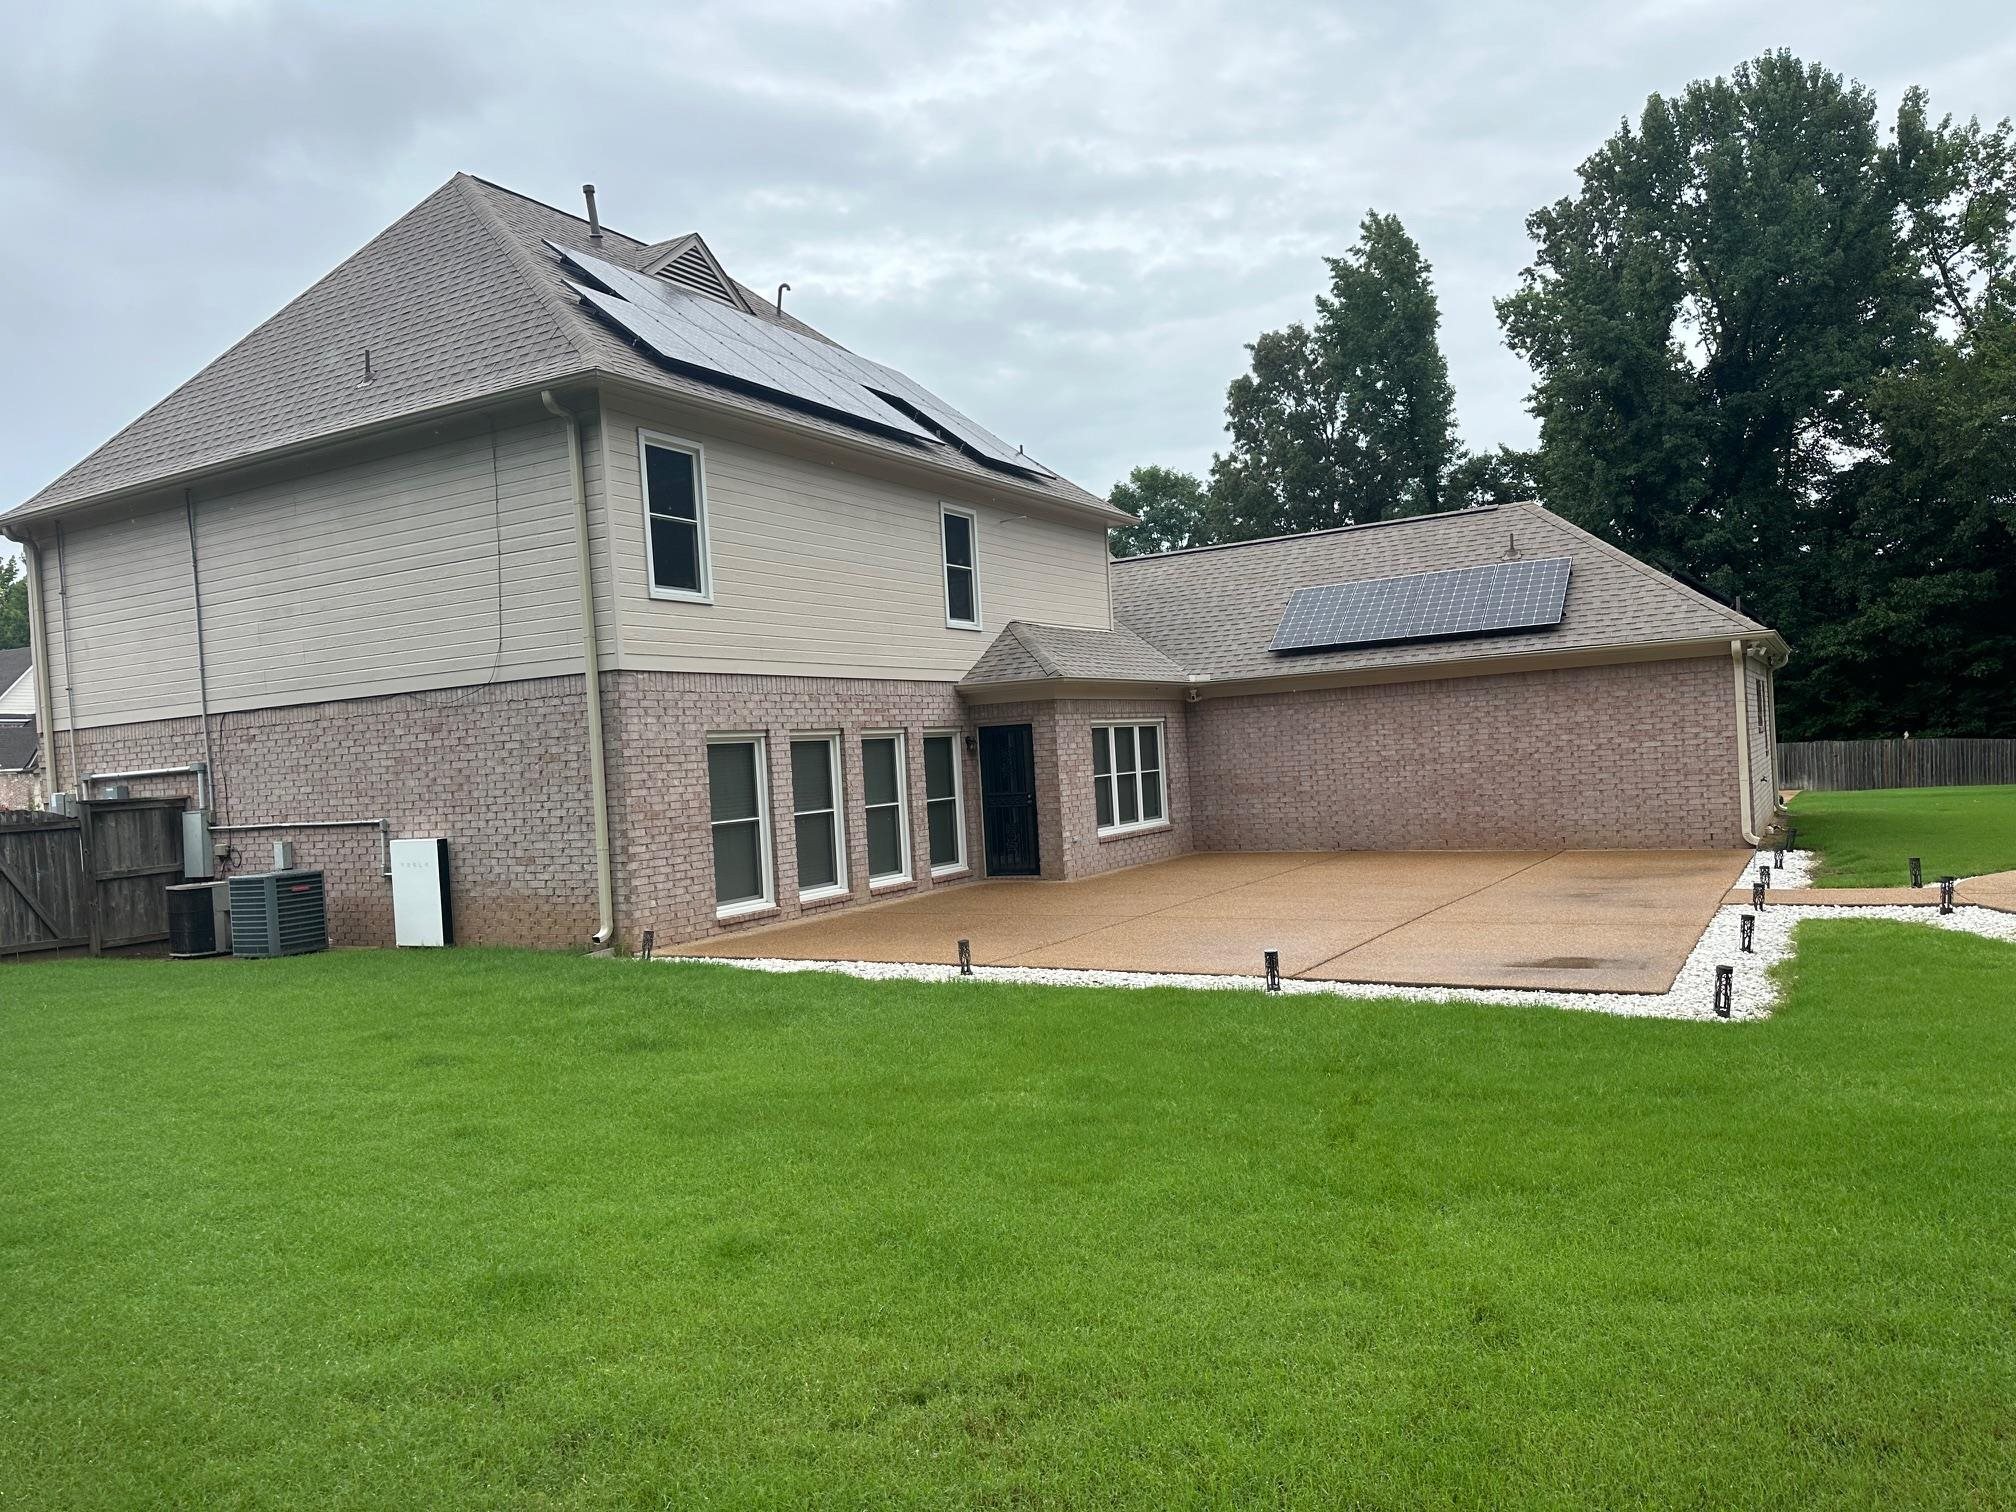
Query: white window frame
957	737
646	439
1112	777
902	806
764	853
946	566
831	739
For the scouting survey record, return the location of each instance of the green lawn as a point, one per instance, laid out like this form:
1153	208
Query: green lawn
509	1230
1868	839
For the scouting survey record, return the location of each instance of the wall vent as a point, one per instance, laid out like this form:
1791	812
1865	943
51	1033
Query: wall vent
688	265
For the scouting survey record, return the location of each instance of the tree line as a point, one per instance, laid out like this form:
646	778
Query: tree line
1773	342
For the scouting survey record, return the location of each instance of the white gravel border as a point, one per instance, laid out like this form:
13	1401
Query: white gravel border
1754	992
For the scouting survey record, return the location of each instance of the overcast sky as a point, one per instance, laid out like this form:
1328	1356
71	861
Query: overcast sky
1067	219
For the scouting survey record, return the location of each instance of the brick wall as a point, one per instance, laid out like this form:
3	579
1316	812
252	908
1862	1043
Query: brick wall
1634	755
659	818
502	771
18	790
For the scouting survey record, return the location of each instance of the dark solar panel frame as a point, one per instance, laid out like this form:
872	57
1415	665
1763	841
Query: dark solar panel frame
1496	598
702	332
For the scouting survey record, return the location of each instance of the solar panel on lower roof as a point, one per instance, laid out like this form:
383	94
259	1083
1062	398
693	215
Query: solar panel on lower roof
1501	596
702	332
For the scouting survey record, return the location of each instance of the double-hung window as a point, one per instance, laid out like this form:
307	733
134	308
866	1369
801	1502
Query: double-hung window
1127	790
675	518
815	816
958	530
739	809
944	804
886	808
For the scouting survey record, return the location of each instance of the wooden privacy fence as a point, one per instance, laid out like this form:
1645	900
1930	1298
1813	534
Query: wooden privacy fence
99	880
1841	766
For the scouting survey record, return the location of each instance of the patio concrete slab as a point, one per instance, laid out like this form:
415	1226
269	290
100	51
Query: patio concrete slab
1592	921
1994	890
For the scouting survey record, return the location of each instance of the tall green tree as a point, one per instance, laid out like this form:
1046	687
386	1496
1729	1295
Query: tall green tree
1172	512
1351	418
1728	324
13	604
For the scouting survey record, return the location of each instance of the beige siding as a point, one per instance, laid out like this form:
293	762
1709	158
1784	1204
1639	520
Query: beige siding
825	572
122	587
380	575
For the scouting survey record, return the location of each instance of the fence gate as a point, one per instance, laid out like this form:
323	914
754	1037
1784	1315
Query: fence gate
132	854
43	895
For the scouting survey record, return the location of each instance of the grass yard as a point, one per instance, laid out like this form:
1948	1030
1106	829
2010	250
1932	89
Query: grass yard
1868	839
507	1230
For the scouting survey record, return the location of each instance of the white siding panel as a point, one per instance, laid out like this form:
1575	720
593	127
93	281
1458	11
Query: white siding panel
377	576
130	617
824	572
18	702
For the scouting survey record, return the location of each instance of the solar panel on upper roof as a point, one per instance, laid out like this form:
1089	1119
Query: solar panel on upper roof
1502	596
701	332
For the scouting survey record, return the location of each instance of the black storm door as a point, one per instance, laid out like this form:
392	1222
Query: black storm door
1008	799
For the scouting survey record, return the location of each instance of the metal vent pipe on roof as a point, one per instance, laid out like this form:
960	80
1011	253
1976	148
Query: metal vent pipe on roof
594	221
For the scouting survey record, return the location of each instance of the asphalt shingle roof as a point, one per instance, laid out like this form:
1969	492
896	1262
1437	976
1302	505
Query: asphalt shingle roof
454	301
1211	613
18	744
14	663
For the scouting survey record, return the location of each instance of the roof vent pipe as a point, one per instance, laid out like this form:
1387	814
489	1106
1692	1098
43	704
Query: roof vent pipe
782	290
594	221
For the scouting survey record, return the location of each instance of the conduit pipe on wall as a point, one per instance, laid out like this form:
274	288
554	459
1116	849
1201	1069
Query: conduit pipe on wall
591	664
383	826
1745	779
199	770
202	668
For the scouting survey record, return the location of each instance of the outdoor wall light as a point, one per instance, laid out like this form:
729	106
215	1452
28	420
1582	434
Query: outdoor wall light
1725	990
972	745
1272	960
965	958
1946	894
650	939
1749	922
1917	873
1757	895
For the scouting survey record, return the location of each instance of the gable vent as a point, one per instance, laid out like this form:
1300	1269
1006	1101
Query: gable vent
691	270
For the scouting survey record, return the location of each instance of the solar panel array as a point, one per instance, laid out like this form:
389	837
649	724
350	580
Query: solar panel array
1519	595
696	331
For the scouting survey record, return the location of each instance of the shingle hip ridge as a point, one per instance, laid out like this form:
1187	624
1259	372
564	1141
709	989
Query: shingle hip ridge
521	259
1020	631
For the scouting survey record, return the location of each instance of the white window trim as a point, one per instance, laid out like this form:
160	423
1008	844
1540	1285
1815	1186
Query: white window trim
645	440
839	888
945	566
1161	769
909	872
951	868
763	847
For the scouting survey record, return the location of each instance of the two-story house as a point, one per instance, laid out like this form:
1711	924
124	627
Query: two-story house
669	613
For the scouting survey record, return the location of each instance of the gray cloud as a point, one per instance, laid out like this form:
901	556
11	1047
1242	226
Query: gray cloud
1069	218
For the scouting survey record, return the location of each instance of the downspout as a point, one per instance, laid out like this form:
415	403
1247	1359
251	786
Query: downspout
38	650
69	660
1747	808
202	670
591	662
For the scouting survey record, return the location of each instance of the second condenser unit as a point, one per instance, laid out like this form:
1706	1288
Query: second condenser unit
279	913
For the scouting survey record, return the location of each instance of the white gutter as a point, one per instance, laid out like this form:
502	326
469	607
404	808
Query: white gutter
1746	807
591	662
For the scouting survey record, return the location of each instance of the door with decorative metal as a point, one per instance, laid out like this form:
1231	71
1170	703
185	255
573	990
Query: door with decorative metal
1008	800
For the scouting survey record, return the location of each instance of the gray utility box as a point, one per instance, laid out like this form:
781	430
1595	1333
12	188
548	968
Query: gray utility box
279	913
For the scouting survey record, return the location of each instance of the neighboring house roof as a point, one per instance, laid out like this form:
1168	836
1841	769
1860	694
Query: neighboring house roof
19	745
456	300
1024	652
1211	612
17	687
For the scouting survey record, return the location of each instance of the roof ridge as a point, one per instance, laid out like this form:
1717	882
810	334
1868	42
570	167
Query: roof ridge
520	258
580	220
1533	507
1303	535
1017	628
